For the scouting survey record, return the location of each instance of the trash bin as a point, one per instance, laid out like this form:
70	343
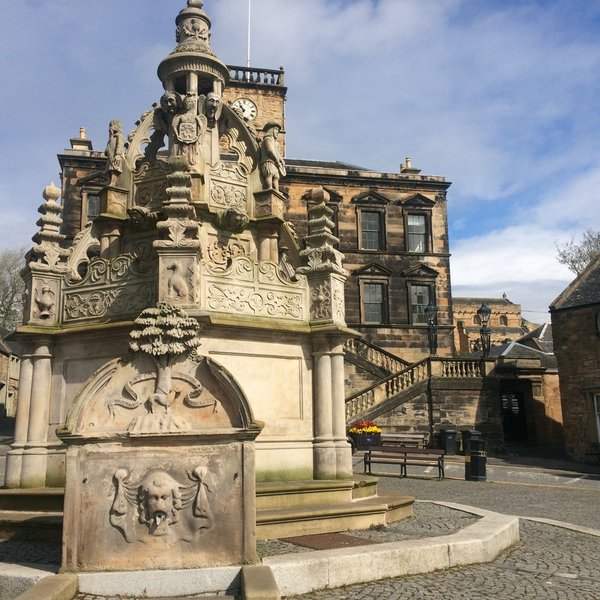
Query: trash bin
467	436
449	440
476	461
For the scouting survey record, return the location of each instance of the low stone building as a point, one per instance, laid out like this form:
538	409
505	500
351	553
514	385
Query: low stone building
506	322
576	325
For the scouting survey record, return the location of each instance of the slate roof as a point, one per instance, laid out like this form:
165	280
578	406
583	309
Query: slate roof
540	338
516	350
584	290
322	164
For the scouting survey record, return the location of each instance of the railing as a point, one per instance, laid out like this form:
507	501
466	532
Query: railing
450	368
386	388
373	354
259	76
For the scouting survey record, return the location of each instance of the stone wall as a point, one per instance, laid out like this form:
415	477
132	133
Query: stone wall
577	350
457	404
394	266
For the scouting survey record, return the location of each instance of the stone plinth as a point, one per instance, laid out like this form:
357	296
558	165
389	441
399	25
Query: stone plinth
174	502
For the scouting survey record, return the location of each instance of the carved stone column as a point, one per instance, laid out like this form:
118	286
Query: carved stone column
324	457
15	454
35	452
343	456
326	277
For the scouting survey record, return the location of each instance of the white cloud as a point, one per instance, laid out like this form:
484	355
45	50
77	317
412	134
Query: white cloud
501	98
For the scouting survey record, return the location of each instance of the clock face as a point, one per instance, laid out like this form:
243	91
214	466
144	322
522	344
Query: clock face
247	108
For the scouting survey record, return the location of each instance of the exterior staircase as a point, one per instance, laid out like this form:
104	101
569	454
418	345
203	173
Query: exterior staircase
404	383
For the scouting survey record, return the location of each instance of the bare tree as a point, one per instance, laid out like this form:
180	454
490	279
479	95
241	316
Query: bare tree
11	287
577	256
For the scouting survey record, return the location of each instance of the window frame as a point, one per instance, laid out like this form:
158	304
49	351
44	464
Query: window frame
427	237
381	212
85	204
430	285
384	283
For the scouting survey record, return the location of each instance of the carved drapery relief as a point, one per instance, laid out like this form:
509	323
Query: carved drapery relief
123	286
161	505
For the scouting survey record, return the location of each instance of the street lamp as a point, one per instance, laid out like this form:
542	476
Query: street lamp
484	312
432	331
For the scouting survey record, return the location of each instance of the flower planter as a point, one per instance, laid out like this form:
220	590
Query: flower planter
363	441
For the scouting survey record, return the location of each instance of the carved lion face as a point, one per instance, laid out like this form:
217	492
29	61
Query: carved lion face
159	501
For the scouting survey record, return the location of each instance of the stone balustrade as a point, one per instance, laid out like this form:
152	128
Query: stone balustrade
271	77
377	356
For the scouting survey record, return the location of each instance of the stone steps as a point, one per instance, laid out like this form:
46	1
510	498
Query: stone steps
33	499
38	526
304	508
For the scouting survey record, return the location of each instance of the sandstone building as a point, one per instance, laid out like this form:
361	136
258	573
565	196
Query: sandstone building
576	326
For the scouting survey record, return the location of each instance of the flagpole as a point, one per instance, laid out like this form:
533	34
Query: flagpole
249	22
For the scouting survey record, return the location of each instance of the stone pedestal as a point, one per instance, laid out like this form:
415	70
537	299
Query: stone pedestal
168	502
269	204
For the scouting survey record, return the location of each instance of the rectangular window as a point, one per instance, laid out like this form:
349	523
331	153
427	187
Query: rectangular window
416	233
373	306
371	230
93	207
420	297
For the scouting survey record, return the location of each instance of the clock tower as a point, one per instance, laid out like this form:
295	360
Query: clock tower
259	96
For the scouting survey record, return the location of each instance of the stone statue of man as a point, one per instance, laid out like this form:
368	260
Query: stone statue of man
114	150
272	166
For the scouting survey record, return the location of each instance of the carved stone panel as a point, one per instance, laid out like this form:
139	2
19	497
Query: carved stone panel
168	505
228	188
45	300
110	289
327	298
246	287
178	279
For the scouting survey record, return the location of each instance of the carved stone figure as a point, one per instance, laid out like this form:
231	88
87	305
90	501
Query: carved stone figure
114	150
177	286
213	106
272	167
188	129
44	302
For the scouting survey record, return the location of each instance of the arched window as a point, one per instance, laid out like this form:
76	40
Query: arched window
504	320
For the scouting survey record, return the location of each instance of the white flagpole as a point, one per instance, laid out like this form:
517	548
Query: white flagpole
249	29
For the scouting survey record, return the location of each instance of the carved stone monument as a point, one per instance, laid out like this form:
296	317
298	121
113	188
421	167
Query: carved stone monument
156	339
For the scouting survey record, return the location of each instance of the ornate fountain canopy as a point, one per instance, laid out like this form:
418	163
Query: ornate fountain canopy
193	53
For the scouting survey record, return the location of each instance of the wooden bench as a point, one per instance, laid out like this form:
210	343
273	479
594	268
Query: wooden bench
415	440
399	455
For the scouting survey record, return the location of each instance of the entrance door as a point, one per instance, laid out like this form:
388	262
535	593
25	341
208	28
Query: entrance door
513	417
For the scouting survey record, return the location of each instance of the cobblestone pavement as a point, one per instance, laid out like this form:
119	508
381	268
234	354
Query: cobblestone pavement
550	563
561	503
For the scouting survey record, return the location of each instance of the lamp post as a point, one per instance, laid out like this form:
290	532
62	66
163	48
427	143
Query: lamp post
432	331
484	312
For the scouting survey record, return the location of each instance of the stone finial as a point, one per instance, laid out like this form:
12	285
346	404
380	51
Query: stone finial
320	254
50	194
47	254
195	3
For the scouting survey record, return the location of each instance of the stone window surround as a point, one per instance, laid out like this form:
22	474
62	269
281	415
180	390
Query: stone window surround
85	193
382	222
382	280
428	229
429	283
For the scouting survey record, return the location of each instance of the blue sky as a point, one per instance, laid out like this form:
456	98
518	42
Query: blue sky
501	98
